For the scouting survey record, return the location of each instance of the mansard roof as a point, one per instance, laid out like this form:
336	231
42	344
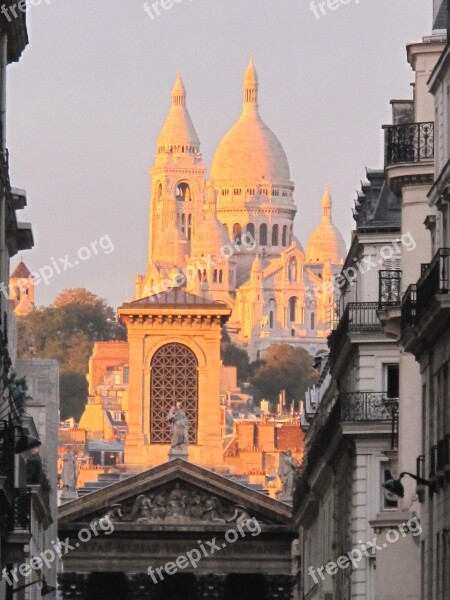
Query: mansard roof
376	207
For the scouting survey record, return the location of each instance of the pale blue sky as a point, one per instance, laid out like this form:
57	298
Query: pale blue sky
91	92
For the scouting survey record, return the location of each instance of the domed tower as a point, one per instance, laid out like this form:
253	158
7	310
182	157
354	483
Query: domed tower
177	174
326	244
252	179
211	267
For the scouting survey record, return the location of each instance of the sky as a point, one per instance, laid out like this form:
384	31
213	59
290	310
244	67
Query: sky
91	92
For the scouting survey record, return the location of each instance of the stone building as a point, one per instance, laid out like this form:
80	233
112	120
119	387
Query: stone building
411	518
231	237
21	290
27	504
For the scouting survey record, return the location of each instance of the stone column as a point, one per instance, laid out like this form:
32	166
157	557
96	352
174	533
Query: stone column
210	587
72	586
279	587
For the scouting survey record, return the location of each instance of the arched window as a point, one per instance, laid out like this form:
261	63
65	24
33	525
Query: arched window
275	235
189	227
251	231
174	378
183	191
220	276
237	233
293	310
284	237
313	320
215	276
272	312
183	223
263	235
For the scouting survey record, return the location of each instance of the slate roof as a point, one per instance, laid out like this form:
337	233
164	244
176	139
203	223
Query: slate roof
441	21
21	271
376	207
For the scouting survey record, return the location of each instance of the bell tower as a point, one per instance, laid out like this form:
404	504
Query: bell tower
178	178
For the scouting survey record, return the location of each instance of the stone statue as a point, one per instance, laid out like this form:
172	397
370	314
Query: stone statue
180	429
293	270
240	515
69	473
264	322
114	513
286	471
142	510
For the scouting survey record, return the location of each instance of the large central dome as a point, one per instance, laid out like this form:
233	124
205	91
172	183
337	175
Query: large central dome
250	152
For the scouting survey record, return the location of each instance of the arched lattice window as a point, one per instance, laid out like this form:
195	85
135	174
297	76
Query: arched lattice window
174	378
284	237
251	231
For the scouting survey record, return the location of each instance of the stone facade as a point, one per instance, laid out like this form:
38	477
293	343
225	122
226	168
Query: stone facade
150	520
231	238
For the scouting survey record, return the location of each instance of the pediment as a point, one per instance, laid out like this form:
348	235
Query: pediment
174	494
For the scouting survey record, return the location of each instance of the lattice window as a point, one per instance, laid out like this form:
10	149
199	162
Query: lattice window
174	379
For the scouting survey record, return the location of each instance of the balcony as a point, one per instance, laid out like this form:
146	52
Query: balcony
371	408
409	307
358	318
435	280
410	143
389	289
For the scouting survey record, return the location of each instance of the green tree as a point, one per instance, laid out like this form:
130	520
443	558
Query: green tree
234	356
283	368
66	331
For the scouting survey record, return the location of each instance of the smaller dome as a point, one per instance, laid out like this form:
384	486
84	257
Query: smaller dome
327	273
178	133
256	266
251	76
211	236
326	243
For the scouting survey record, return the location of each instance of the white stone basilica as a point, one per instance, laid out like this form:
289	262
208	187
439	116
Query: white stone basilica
231	238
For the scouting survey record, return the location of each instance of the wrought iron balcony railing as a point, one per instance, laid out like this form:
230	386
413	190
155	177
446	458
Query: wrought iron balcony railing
368	406
390	288
371	407
435	280
358	317
409	307
410	143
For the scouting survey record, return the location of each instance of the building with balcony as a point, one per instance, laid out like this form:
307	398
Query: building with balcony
391	334
350	417
28	407
425	327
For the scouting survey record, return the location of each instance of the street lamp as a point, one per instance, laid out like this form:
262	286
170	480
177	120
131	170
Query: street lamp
393	488
45	589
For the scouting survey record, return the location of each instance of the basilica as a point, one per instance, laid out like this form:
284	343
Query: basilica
230	237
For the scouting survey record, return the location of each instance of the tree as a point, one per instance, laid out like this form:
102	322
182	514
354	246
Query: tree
234	356
285	368
73	391
67	331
